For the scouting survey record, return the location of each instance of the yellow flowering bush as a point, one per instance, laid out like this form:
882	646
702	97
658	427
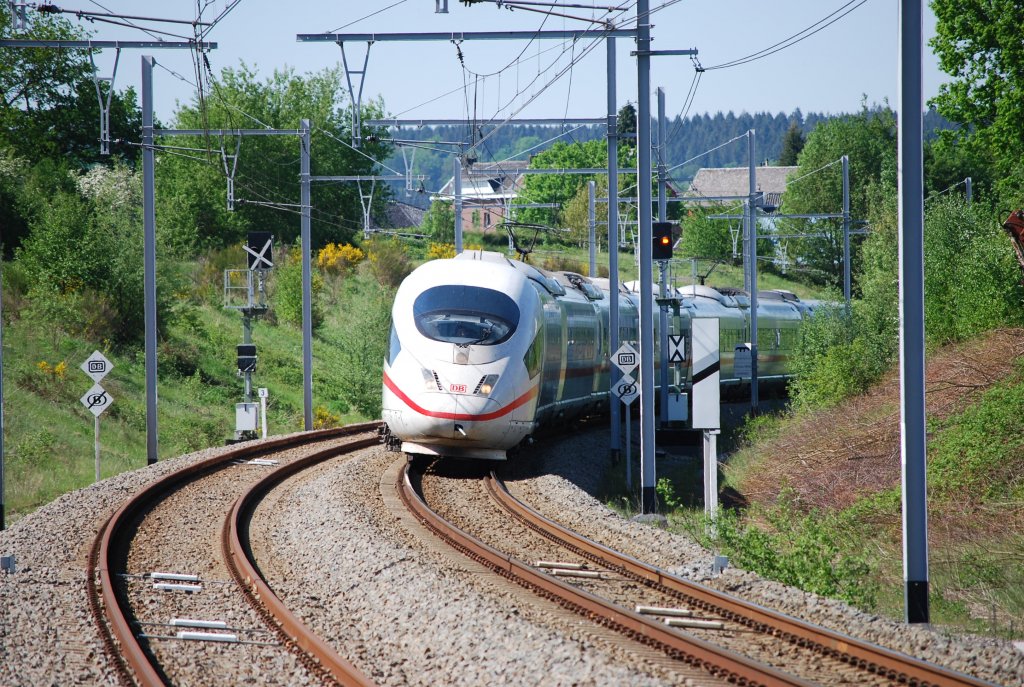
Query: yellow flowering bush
325	419
54	372
440	251
339	258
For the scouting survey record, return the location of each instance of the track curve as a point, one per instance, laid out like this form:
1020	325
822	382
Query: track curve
109	604
870	658
717	663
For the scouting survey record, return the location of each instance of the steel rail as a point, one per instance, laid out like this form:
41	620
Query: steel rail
319	657
110	608
716	661
855	652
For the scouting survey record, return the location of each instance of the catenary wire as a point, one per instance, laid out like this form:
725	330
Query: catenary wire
794	39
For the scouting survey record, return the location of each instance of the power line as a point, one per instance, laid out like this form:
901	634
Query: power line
794	39
372	14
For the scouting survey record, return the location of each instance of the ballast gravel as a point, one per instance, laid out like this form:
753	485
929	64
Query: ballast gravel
399	610
402	613
560	482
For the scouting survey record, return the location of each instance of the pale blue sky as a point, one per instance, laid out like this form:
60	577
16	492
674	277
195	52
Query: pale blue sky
829	72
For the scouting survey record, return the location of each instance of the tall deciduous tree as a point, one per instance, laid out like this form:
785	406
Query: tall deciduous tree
978	43
869	139
558	188
192	192
49	106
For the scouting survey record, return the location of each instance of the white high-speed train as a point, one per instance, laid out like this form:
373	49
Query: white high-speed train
486	350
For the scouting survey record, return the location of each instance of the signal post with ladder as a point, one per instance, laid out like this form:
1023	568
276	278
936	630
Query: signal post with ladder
245	291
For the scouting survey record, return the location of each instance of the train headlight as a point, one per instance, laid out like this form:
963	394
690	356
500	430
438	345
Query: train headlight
486	385
430	381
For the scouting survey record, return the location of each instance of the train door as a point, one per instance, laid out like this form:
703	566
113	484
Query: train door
551	379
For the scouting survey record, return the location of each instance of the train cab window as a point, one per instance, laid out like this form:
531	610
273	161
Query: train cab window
533	358
465	315
394	346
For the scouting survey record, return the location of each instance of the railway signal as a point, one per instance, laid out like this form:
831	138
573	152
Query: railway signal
661	233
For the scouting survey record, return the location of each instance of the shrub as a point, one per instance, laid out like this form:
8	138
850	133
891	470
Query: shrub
562	263
362	347
286	298
971	277
339	259
208	280
440	251
85	245
388	261
803	550
325	419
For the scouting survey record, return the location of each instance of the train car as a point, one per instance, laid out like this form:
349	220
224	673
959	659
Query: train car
486	350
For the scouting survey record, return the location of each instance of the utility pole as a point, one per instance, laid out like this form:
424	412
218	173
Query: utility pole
752	204
613	242
648	496
457	201
846	231
307	277
149	256
969	190
913	439
3	525
591	230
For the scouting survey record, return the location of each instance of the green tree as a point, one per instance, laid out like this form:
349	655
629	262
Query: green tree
704	237
192	193
576	214
972	281
869	139
439	221
792	144
625	125
978	44
84	253
558	188
49	106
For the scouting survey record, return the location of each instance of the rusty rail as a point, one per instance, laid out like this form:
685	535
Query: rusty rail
315	654
716	661
109	608
855	652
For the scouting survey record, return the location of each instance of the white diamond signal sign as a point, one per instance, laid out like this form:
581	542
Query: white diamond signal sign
626	359
97	366
626	389
96	400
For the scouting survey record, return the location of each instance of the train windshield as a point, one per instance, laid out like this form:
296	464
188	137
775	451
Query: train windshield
465	315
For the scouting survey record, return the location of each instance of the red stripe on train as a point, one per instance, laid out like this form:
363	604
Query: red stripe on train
465	417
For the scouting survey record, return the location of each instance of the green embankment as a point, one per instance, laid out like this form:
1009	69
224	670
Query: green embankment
48	434
820	495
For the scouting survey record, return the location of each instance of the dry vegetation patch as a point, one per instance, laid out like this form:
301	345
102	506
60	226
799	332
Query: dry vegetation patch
828	459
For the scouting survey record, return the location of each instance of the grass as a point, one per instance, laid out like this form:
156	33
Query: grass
48	434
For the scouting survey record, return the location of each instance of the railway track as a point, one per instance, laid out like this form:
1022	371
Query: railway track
731	640
174	591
